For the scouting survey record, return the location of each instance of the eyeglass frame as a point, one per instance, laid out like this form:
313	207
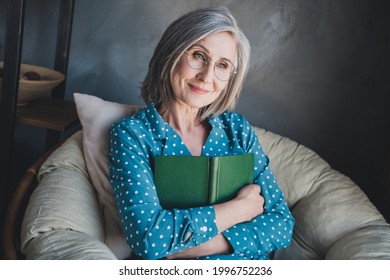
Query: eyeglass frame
207	62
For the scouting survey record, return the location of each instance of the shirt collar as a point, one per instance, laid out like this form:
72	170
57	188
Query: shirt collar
216	122
158	125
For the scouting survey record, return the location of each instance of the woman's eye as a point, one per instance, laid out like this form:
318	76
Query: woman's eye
199	56
222	65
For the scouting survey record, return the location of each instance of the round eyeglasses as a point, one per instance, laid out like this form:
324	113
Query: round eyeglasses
223	69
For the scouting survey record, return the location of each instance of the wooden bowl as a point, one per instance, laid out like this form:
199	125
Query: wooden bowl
35	81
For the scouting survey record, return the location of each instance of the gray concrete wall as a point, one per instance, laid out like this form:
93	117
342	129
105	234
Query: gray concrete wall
319	69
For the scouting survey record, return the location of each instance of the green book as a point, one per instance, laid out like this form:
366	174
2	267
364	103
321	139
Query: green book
193	181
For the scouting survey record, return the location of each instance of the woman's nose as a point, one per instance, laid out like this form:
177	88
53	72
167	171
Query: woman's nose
206	74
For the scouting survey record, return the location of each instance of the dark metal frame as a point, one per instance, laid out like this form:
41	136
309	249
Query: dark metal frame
11	70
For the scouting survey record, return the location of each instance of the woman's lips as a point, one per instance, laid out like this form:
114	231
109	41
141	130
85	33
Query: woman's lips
198	89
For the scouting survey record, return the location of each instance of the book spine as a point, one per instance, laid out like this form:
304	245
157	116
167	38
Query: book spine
214	168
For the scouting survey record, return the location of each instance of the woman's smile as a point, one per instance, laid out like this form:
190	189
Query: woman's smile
198	90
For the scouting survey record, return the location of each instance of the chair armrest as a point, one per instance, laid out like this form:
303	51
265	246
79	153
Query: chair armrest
64	201
370	243
67	245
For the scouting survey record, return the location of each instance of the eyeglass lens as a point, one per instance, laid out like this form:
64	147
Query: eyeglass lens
198	60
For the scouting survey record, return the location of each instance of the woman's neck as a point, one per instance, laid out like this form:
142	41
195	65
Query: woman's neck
185	121
182	118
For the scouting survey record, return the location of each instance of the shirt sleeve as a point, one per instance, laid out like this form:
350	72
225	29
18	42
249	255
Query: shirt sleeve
151	231
271	230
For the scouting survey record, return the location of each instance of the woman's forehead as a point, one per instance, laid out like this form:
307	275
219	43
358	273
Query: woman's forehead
218	45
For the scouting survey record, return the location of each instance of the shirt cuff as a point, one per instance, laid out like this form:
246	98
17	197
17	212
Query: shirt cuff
203	224
238	238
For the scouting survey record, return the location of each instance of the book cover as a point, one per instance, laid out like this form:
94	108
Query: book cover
193	181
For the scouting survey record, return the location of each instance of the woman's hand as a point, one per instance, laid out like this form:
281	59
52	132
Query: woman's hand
245	206
252	202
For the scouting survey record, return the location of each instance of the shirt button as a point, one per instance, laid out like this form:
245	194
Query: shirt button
204	229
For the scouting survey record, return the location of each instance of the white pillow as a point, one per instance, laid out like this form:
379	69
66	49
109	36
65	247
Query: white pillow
96	117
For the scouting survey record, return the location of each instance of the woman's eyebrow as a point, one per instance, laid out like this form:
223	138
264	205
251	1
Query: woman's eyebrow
208	52
200	46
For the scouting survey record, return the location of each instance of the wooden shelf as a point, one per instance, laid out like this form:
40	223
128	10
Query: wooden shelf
56	114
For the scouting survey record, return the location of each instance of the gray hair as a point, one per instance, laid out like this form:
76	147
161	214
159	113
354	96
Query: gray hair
181	35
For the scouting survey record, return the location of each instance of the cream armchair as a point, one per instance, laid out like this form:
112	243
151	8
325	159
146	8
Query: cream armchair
66	219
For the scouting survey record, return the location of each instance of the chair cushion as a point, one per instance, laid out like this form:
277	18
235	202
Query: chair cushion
326	204
63	193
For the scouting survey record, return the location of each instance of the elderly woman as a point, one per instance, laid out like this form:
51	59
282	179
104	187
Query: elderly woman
195	77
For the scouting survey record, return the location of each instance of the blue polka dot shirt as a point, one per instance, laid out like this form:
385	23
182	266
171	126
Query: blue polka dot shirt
153	232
